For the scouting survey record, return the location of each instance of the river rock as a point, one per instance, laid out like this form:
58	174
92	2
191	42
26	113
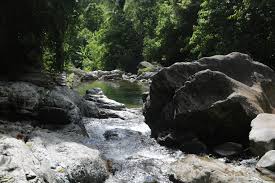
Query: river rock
262	134
103	102
95	91
145	64
90	76
228	149
29	154
215	98
103	75
55	105
146	75
58	108
195	169
266	164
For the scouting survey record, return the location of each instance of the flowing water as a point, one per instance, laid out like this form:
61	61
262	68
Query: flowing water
125	142
124	92
133	156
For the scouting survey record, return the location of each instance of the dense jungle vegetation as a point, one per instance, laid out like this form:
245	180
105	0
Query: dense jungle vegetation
110	34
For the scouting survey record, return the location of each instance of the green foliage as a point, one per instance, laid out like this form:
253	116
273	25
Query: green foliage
118	34
243	25
175	22
107	39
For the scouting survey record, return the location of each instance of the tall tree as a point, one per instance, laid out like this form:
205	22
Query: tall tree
176	19
236	25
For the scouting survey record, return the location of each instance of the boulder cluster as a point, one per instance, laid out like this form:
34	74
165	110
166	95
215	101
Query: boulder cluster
146	71
51	105
42	133
207	106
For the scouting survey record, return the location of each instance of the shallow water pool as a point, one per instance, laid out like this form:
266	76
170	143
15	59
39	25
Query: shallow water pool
124	92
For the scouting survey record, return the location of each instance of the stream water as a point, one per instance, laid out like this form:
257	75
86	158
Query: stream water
125	142
124	92
133	156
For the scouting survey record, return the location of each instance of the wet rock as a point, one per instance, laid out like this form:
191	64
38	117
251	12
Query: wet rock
48	156
167	139
58	108
103	102
90	76
95	91
262	134
228	149
89	109
195	169
103	75
57	105
266	164
212	98
146	75
107	113
129	77
193	147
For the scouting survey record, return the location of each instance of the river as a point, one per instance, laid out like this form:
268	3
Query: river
133	156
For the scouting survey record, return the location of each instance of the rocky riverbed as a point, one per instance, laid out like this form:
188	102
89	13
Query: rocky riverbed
133	156
50	134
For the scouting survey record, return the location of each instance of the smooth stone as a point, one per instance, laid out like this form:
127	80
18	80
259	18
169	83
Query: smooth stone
266	165
228	149
262	134
195	169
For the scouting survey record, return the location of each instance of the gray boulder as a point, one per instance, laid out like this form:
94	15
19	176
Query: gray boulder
58	108
95	91
112	75
90	76
266	164
102	102
29	154
57	105
19	99
214	98
262	134
194	169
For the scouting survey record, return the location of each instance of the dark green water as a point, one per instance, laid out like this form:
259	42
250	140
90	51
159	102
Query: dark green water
124	92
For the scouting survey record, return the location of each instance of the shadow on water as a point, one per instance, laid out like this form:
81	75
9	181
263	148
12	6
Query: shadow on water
124	92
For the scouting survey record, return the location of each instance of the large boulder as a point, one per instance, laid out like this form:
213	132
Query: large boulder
54	105
266	164
262	134
29	154
213	99
195	169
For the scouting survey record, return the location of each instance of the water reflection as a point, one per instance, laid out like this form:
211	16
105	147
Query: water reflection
124	92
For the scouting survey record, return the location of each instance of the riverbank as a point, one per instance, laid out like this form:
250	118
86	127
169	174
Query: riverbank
52	134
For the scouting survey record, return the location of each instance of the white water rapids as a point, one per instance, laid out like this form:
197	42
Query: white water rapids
132	154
